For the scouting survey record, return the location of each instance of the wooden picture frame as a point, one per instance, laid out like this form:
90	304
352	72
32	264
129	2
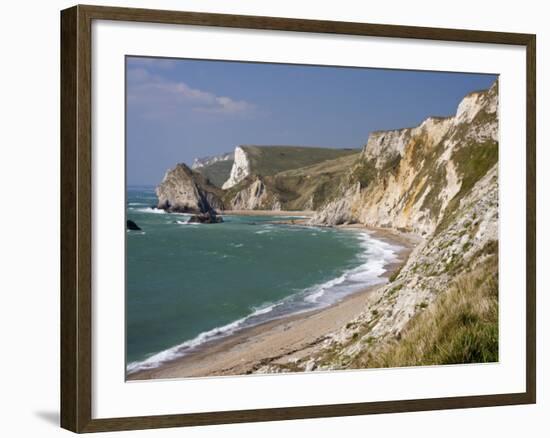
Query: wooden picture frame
76	217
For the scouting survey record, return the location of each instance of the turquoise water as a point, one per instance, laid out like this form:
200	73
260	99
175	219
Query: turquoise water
190	283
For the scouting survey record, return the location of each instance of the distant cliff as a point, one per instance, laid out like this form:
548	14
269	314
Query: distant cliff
199	163
185	191
285	177
266	161
215	168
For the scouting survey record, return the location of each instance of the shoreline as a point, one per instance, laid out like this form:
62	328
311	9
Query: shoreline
285	213
281	340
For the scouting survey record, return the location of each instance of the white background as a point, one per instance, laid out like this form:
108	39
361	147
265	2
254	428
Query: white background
29	178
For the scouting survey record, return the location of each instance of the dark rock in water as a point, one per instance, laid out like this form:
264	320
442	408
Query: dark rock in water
131	225
206	218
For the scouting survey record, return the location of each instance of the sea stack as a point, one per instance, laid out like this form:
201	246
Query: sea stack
185	191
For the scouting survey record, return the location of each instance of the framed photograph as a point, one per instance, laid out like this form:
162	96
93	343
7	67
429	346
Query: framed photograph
269	218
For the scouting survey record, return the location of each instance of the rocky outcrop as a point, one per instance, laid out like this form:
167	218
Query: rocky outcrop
240	169
407	178
131	225
209	217
255	196
185	191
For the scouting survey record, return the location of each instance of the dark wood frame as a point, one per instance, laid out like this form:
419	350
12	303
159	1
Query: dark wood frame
76	225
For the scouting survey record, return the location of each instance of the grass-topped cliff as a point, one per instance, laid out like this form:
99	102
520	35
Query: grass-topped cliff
304	188
217	172
439	181
270	160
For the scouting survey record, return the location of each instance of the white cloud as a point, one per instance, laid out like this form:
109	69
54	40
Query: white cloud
158	96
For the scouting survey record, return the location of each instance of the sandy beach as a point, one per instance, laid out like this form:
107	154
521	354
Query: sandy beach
280	341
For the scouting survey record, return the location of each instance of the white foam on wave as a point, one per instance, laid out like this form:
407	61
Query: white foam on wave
210	335
187	223
263	309
151	210
376	255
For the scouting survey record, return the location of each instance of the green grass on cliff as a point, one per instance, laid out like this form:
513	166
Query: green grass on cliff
216	173
472	161
461	326
269	160
320	182
296	187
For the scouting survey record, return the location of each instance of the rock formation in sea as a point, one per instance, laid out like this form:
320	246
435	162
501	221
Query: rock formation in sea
209	217
185	191
131	225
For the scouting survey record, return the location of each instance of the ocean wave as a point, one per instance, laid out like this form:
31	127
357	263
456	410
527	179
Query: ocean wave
135	233
179	350
376	254
151	210
154	210
188	223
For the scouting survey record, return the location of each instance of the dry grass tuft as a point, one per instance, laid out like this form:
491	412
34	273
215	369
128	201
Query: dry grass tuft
460	326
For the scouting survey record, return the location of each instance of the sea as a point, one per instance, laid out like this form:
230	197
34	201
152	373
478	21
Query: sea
188	284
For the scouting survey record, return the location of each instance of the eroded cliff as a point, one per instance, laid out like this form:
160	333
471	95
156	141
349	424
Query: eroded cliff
406	179
185	191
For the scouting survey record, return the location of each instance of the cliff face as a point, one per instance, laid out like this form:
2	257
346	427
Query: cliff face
255	196
460	255
240	169
407	178
185	191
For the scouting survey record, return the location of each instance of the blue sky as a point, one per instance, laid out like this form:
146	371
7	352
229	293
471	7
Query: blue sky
181	109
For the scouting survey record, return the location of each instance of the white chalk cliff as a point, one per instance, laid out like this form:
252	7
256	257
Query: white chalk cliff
240	169
406	178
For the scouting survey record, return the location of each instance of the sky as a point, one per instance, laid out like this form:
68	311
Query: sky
178	109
